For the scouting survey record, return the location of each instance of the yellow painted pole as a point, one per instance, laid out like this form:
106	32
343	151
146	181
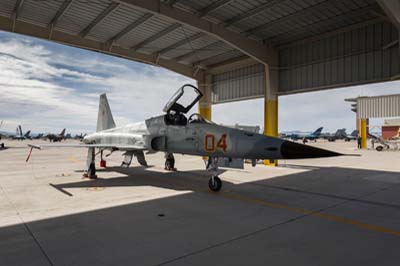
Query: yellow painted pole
363	133
205	111
271	123
204	84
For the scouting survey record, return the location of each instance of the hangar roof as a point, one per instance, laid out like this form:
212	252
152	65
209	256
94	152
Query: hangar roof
133	25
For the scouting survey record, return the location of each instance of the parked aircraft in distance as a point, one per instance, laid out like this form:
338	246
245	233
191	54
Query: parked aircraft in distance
1	143
308	136
341	134
172	132
56	137
19	134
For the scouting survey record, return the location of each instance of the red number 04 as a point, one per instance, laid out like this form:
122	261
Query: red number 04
209	143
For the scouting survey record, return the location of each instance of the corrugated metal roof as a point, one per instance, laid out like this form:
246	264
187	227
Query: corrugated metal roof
80	15
272	21
378	106
7	7
115	22
39	12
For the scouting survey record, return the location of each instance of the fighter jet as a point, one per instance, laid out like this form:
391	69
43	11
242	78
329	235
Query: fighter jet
21	136
56	137
2	147
311	136
342	134
172	132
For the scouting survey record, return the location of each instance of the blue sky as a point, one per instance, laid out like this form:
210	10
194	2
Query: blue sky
46	86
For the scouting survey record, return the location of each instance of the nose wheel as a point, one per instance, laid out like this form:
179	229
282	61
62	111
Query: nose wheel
215	183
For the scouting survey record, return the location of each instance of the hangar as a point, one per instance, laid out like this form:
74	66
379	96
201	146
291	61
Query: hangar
234	49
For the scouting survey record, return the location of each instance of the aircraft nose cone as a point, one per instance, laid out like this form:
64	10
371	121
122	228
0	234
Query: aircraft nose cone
292	150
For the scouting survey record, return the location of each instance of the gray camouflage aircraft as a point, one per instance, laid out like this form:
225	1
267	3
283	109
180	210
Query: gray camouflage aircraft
56	137
20	135
172	132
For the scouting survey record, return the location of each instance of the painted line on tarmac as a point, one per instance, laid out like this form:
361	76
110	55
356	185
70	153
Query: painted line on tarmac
317	213
73	159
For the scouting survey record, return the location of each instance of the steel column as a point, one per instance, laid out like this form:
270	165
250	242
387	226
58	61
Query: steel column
270	112
204	83
363	132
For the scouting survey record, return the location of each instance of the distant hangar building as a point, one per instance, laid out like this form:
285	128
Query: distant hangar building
390	128
235	49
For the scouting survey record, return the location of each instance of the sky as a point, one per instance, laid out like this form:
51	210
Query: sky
45	86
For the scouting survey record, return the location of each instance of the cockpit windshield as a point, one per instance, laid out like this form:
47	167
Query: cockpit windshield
183	100
198	118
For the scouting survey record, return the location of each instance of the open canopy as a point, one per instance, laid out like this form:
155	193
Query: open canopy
183	99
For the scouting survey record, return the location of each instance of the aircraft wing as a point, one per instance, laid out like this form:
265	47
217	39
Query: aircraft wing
105	146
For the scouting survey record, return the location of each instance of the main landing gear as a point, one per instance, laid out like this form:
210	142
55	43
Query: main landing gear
90	171
215	183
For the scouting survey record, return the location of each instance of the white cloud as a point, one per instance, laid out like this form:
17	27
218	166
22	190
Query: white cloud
35	89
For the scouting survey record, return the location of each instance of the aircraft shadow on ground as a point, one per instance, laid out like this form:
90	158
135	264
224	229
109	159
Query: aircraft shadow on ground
145	176
160	230
329	182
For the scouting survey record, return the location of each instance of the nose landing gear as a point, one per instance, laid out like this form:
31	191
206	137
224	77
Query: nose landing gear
215	183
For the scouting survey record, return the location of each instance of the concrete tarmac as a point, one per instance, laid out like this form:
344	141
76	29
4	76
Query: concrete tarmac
331	211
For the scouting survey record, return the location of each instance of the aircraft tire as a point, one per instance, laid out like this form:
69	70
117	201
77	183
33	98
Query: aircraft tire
216	185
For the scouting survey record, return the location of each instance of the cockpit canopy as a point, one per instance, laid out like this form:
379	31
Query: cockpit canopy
183	100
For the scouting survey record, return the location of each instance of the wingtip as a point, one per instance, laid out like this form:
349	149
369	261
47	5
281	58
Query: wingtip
34	146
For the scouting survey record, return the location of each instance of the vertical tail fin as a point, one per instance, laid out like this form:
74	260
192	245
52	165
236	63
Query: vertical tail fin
318	131
20	131
62	132
105	119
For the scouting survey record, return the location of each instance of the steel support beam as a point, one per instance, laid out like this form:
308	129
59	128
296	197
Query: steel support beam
205	11
29	29
16	11
258	51
207	47
130	27
201	61
157	36
181	43
61	11
113	6
392	9
251	12
17	8
212	7
231	64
